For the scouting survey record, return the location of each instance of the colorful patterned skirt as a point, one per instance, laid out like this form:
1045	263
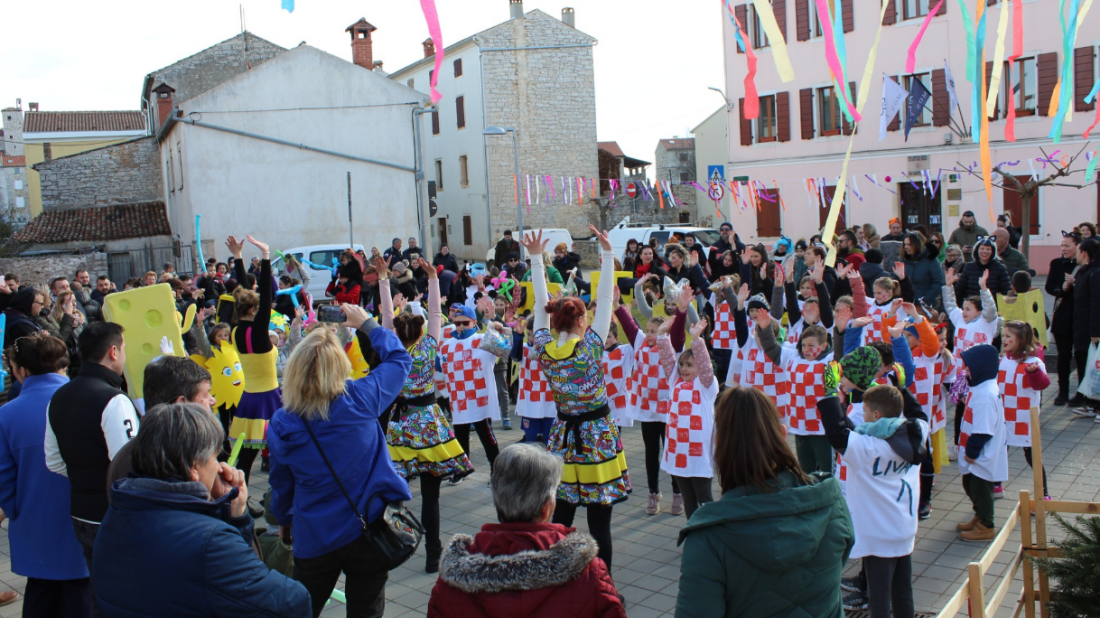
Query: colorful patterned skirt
595	469
421	441
252	415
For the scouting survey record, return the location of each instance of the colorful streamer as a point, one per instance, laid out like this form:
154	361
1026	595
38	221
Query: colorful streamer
775	38
977	83
984	147
1064	89
752	99
432	17
998	65
1017	51
833	60
911	61
1091	169
288	5
198	243
779	195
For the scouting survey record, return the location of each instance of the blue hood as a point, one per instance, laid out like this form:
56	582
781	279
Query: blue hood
140	493
982	363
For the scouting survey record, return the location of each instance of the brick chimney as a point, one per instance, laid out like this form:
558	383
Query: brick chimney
516	9
568	17
163	94
429	48
362	52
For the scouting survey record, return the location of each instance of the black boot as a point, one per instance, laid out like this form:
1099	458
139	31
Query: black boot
265	465
1062	398
1078	400
431	564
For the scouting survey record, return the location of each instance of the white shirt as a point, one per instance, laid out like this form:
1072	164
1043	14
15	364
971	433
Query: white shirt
119	422
985	415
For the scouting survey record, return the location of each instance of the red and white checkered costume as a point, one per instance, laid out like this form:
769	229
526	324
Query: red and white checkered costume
725	335
470	380
737	362
649	388
440	377
618	364
927	388
688	436
873	331
759	372
1018	397
807	386
855	413
970	334
536	400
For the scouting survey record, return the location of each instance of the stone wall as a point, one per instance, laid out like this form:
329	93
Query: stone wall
124	173
549	96
668	166
200	72
42	268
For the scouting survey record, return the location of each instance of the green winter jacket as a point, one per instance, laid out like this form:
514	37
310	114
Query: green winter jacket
767	554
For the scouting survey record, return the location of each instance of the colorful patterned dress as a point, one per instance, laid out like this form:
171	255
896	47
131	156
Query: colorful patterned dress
420	439
595	467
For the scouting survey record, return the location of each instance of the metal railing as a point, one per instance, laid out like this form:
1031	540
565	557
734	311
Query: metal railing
122	265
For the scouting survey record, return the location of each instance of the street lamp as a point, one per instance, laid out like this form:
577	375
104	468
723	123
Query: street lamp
494	130
729	104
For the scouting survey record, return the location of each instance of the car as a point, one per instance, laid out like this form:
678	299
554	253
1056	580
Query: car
552	236
320	255
624	231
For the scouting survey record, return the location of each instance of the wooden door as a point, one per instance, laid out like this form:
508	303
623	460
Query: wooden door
442	223
1015	205
918	208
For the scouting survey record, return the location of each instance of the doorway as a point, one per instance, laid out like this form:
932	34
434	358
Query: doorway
442	223
918	208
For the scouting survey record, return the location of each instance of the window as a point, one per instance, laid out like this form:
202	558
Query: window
18	185
765	125
438	174
1022	85
411	83
915	8
759	38
435	123
431	73
828	112
467	230
926	114
463	172
460	111
683	156
685	177
815	23
18	202
768	218
458	67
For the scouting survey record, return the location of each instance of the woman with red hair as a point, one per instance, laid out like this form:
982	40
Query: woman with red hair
584	435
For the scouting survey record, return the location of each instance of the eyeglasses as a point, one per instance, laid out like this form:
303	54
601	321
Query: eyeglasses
463	323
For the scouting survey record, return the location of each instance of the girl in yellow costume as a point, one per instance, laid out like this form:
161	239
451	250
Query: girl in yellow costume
262	395
421	440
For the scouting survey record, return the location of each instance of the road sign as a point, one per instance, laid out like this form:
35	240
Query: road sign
716	191
632	189
716	173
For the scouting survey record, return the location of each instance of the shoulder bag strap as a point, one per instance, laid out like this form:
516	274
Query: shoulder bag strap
333	471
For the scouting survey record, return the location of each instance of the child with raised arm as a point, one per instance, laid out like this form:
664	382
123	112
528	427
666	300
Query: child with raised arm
975	324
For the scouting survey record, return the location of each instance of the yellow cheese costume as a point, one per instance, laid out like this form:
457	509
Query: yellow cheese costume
146	315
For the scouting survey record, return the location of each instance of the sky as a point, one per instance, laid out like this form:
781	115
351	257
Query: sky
653	64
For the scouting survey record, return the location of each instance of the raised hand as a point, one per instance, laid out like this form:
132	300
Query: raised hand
697	330
664	327
167	348
843	314
894	306
742	295
235	246
896	330
862	322
745	258
694	258
399	301
616	296
899	270
380	267
911	310
764	271
982	280
262	246
831	377
605	242
535	244
950	277
817	275
428	269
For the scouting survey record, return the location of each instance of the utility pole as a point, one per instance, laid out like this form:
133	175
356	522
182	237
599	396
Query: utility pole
351	234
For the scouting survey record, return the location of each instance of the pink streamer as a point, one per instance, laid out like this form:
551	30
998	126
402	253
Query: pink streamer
752	99
550	183
1017	51
833	60
432	17
911	62
614	185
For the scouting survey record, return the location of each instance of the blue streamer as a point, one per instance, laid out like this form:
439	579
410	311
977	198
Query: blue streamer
198	243
288	5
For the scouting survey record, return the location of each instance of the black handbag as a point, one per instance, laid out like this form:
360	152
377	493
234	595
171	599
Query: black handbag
395	534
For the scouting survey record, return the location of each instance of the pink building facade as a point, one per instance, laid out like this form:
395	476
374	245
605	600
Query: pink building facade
802	135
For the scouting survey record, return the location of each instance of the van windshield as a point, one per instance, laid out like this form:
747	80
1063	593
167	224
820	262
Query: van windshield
707	237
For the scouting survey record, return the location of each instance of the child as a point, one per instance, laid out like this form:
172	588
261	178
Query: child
806	370
618	365
724	339
218	334
535	404
812	306
1021	377
885	290
975	324
881	456
500	369
688	457
983	436
762	367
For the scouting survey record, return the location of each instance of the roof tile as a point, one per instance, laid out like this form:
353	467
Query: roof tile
48	122
611	148
679	143
97	223
14	161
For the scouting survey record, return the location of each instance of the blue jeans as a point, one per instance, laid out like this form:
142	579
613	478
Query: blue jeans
533	427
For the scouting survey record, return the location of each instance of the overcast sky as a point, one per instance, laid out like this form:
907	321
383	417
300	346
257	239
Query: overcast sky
654	61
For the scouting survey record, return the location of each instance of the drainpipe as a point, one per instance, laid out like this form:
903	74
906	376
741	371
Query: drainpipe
422	212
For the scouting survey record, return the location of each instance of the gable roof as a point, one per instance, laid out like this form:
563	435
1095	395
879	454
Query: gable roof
97	224
14	161
679	143
611	148
202	70
52	122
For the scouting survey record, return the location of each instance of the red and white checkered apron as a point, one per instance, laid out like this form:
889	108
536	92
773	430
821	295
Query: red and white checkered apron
807	386
536	400
467	380
725	334
795	332
649	391
769	378
1018	399
873	331
688	433
841	467
617	377
927	389
440	377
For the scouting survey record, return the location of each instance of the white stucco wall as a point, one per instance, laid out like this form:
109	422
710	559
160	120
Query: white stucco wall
711	149
284	195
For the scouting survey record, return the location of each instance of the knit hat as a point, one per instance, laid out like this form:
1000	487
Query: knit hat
757	301
561	247
860	366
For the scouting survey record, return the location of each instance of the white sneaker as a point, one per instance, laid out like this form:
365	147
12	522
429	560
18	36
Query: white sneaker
953	452
1085	411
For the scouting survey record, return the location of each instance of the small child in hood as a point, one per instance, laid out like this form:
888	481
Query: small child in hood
984	438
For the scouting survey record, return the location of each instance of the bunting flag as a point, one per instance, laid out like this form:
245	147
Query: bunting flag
918	100
288	5
778	44
660	196
893	95
752	99
998	64
432	17
550	183
538	191
782	204
1089	99
1091	169
911	61
833	60
950	79
855	188
1017	51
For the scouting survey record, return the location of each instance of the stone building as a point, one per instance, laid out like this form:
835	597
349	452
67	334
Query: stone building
532	73
674	161
14	192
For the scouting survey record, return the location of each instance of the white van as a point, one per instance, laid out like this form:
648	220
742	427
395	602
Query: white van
553	236
321	255
623	232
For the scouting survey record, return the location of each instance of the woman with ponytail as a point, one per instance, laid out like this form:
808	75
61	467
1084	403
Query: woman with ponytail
422	443
584	435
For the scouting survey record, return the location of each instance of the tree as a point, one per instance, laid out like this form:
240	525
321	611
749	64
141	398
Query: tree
1028	190
1077	571
9	247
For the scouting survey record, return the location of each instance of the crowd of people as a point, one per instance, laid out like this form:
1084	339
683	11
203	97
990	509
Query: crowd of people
718	352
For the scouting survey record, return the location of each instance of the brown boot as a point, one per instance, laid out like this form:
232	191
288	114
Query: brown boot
979	534
967	526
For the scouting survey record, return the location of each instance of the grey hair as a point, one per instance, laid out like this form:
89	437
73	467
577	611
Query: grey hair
173	438
525	477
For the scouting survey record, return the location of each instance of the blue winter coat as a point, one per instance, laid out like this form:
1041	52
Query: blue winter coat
355	444
927	277
165	549
36	500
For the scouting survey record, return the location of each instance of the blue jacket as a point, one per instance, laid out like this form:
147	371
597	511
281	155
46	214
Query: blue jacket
34	499
165	549
354	443
927	277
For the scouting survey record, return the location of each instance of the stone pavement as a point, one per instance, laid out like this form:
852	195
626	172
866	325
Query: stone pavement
647	560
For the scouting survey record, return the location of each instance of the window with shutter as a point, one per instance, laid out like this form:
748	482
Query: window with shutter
766	125
460	111
828	112
438	174
988	78
458	67
783	115
757	34
941	99
768	217
1013	203
1021	84
914	9
846	14
802	19
806	112
435	123
845	125
779	7
1083	77
1046	66
746	124
742	13
907	82
463	171
467	230
890	17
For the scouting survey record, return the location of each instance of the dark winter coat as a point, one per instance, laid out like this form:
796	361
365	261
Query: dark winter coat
1061	320
754	553
524	570
503	248
448	262
694	275
870	273
20	323
1086	305
571	260
165	549
926	275
968	283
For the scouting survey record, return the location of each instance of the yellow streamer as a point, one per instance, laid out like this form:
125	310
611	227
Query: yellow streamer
842	184
1055	97
987	166
775	38
998	64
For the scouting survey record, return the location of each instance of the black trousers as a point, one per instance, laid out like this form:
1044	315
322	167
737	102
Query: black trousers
1027	457
1067	358
599	525
48	598
697	492
889	585
721	365
364	578
429	512
653	436
960	410
85	535
484	434
246	459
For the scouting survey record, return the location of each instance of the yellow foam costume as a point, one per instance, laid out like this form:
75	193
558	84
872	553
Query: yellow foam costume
359	367
146	315
1028	307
